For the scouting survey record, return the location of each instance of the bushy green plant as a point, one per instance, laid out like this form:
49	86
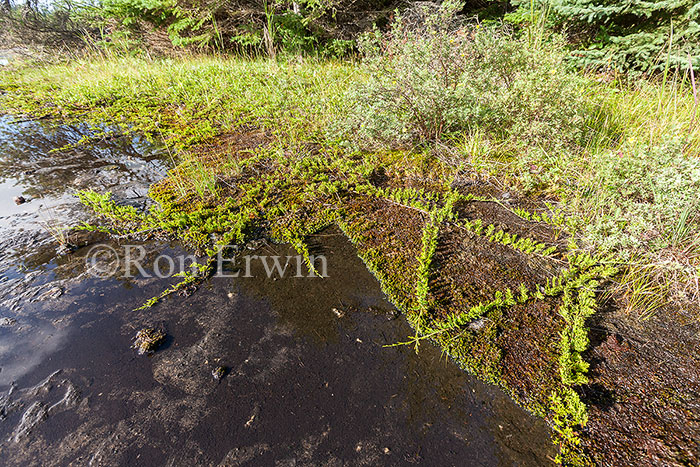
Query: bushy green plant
432	75
638	196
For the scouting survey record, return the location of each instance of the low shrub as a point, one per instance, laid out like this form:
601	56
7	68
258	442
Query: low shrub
641	197
431	76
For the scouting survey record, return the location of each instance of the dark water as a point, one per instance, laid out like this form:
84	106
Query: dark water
33	167
309	381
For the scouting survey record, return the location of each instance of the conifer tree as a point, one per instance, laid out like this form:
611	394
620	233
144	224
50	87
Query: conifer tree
629	34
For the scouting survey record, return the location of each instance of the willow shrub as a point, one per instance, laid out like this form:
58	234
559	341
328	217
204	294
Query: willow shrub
431	76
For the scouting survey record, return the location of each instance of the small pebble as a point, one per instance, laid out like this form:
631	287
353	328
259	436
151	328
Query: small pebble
218	373
338	313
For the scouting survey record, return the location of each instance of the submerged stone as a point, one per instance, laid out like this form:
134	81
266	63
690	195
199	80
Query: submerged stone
218	373
148	340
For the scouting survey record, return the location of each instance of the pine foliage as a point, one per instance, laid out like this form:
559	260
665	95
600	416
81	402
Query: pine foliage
627	35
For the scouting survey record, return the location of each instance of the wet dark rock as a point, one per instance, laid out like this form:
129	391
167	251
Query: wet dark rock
218	373
148	340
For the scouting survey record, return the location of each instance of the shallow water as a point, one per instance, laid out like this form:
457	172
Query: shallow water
311	377
33	166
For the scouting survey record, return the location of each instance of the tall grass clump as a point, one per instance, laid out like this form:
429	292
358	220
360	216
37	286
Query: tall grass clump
433	75
641	203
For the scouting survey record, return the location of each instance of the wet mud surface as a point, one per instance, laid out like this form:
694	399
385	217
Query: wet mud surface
39	163
644	390
308	382
308	379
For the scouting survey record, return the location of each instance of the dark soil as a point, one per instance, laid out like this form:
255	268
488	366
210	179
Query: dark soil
303	386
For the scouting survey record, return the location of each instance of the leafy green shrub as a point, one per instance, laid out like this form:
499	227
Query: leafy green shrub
431	76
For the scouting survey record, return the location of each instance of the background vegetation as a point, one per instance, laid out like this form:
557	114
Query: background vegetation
617	157
622	35
610	35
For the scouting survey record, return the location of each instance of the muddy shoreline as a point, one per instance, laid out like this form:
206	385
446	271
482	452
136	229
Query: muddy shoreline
309	379
306	384
303	386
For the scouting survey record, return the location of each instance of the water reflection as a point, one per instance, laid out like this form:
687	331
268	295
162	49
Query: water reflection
46	164
33	165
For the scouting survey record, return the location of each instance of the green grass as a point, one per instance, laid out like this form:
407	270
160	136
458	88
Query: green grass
188	101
